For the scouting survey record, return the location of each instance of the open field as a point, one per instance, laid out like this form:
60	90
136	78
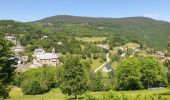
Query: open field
130	45
55	94
91	39
96	63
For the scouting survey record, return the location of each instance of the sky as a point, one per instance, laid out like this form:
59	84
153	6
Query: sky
31	10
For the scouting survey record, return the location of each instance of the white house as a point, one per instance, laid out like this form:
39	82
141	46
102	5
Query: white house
11	38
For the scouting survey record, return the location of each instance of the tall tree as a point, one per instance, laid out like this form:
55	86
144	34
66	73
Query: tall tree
7	62
97	83
168	52
74	78
138	73
167	61
153	74
128	74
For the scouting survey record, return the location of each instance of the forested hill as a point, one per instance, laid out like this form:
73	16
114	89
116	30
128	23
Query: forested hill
97	20
146	30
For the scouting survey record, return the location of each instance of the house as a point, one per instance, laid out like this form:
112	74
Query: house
39	51
123	55
167	58
44	37
59	43
107	68
45	59
135	50
21	59
11	38
104	46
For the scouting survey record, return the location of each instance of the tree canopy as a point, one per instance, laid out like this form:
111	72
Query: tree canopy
7	62
74	80
140	73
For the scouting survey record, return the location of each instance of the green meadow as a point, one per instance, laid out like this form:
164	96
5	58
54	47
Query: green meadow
56	94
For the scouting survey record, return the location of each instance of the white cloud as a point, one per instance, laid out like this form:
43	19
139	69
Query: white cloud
151	15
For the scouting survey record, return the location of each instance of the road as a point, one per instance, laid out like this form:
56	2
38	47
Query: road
101	66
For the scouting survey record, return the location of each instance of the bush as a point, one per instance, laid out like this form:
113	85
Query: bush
32	87
84	56
111	96
95	56
89	55
38	81
97	82
90	97
103	57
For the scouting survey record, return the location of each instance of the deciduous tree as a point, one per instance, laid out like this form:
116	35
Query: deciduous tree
7	62
74	78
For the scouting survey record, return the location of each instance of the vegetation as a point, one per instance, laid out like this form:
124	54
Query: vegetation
56	94
91	39
140	73
38	81
97	82
7	62
74	80
145	30
167	61
137	29
83	43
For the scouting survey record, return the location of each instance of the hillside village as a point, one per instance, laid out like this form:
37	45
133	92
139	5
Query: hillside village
102	50
41	58
95	59
44	59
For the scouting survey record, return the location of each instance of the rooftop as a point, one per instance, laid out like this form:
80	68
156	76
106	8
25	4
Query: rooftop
48	56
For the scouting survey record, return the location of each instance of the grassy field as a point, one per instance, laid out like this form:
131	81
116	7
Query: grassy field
130	45
55	94
96	63
141	94
92	39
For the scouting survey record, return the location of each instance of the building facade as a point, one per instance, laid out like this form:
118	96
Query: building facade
45	59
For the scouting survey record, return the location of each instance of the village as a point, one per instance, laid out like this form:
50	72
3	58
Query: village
41	58
85	50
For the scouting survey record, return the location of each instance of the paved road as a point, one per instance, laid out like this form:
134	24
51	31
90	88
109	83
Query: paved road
101	66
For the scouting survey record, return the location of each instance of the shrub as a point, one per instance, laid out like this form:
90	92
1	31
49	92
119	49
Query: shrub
84	56
95	56
38	81
90	97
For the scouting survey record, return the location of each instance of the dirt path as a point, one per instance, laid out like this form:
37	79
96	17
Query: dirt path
101	66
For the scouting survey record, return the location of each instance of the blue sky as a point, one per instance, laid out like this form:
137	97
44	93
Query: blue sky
31	10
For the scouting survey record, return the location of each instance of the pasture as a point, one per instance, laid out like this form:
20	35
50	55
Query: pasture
56	94
91	39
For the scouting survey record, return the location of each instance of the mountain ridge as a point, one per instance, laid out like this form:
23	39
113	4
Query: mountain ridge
155	31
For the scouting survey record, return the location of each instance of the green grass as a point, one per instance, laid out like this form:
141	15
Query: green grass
95	63
130	45
165	93
92	39
55	94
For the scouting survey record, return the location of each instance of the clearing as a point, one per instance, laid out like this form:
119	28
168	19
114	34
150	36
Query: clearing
91	39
